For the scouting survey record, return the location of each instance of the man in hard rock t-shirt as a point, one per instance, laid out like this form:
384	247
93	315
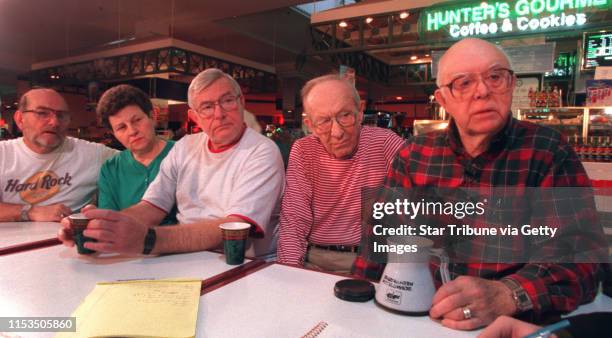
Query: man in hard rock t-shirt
46	175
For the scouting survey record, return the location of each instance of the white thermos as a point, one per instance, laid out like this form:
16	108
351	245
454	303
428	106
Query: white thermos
406	284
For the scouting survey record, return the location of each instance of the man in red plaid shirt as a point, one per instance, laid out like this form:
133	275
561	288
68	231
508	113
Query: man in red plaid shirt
485	147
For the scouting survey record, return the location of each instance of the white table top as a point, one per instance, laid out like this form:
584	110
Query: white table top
54	281
281	301
13	233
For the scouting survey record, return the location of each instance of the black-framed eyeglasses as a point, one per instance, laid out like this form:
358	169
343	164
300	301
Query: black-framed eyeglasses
498	80
45	114
344	119
226	102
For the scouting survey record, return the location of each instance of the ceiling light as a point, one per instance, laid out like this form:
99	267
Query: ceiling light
414	57
398	98
343	24
426	55
404	15
369	19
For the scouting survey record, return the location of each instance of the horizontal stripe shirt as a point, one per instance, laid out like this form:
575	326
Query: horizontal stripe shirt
322	199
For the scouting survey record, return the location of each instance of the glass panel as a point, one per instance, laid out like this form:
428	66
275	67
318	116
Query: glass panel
150	62
163	60
178	60
136	67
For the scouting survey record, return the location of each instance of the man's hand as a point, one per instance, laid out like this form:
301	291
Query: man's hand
65	234
508	327
49	213
485	299
114	232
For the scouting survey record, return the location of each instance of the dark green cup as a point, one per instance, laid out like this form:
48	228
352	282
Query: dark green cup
80	240
78	223
234	241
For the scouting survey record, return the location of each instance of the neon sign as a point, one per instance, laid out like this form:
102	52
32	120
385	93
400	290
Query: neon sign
497	17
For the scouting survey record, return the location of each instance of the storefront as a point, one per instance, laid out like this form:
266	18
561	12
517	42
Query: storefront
561	52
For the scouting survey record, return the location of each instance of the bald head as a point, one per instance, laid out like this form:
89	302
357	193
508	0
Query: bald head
38	92
469	54
322	85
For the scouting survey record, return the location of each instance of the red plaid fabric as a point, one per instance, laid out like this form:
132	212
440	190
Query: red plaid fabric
521	155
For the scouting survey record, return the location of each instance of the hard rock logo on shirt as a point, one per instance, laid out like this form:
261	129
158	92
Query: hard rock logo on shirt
39	187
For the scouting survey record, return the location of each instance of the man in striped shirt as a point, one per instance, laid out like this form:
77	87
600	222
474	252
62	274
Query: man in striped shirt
320	225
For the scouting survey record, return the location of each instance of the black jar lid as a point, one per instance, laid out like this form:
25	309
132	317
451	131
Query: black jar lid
354	290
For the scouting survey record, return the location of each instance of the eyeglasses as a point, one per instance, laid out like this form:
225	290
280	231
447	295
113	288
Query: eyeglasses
227	103
344	119
498	81
45	114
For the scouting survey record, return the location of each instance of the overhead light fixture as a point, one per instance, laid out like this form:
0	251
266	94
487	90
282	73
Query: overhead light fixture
120	41
426	55
369	19
343	24
398	98
404	15
414	57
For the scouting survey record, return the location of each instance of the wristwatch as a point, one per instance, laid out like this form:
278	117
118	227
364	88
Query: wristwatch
520	296
23	216
149	241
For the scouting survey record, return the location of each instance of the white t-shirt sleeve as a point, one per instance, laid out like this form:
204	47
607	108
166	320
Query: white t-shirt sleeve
108	153
260	186
162	191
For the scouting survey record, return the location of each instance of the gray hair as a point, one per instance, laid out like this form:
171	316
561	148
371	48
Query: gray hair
330	77
204	80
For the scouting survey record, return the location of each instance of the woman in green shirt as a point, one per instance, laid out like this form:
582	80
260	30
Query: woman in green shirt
125	177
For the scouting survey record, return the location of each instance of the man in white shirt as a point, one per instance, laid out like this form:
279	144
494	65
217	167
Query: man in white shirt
228	173
46	175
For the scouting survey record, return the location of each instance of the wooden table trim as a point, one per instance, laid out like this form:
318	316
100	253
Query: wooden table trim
29	246
234	274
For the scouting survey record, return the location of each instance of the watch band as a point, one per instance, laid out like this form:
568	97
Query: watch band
23	215
520	296
149	241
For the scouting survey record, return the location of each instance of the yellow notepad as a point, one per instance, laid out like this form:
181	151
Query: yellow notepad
139	308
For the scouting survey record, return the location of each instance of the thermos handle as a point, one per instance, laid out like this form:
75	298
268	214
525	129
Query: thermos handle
441	254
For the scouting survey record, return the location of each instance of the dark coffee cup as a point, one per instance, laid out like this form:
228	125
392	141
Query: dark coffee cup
234	241
78	223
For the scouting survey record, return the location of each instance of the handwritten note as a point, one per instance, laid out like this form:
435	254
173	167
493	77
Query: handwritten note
146	308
